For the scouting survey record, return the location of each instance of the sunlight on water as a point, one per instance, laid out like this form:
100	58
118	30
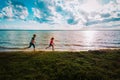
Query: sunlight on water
89	37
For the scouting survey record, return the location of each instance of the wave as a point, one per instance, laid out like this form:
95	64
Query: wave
83	45
1	47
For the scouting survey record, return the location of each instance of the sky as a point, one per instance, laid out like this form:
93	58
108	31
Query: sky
59	14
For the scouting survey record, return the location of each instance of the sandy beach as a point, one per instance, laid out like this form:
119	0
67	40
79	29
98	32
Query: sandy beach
44	50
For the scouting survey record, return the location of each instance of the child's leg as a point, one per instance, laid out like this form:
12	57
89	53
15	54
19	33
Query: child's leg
29	45
33	46
52	47
34	49
48	47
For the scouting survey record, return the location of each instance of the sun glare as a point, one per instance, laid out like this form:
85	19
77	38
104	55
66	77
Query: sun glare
91	5
89	37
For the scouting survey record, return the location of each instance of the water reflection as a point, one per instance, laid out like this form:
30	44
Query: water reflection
89	38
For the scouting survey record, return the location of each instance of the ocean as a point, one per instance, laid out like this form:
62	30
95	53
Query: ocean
64	40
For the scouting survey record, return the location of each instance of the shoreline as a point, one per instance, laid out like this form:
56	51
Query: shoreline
44	50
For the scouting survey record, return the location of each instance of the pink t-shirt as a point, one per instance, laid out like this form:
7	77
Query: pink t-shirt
51	41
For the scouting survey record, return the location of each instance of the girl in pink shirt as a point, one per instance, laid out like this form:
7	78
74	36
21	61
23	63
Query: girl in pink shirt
51	44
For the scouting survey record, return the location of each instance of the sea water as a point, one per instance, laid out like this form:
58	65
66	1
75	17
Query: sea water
64	40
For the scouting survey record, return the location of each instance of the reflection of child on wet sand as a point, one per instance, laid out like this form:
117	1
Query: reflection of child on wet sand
51	44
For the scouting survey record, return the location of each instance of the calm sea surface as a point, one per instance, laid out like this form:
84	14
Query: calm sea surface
64	40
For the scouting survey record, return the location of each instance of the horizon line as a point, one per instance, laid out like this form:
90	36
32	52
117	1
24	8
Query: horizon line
59	29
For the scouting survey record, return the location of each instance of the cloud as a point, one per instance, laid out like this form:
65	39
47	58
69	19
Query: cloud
36	12
106	14
62	12
14	11
20	12
41	11
68	11
7	12
118	1
56	17
91	6
1	15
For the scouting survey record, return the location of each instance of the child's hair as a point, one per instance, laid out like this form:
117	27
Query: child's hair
34	35
52	38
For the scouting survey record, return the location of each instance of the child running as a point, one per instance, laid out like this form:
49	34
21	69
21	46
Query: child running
51	44
32	42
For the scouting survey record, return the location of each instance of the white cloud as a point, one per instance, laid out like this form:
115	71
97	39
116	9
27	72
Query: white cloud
22	17
1	15
118	1
12	12
22	14
111	8
91	6
70	9
56	18
8	11
96	17
108	8
36	12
